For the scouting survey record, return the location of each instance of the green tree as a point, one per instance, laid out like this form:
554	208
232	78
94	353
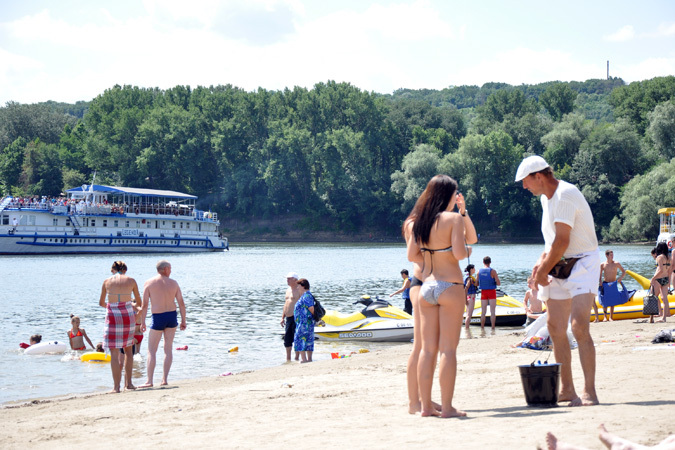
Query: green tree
562	143
661	128
641	199
558	99
11	163
41	174
418	167
635	101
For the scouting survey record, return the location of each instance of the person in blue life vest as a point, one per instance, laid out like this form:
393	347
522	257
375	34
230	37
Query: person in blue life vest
405	292
470	290
488	280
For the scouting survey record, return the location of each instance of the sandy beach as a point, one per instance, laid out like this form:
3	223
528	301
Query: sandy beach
361	402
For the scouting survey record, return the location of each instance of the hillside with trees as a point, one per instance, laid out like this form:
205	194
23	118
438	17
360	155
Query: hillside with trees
337	158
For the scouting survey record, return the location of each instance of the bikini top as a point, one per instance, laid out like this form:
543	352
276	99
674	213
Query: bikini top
431	254
79	333
119	296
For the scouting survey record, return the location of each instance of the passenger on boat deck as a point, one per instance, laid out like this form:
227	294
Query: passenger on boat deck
77	335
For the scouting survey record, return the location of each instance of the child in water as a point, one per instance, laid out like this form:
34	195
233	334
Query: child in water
34	339
99	347
77	335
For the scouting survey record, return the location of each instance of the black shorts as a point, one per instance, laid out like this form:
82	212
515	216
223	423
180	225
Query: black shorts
289	335
408	306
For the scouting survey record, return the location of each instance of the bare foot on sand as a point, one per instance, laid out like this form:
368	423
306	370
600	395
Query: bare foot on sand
145	385
432	413
114	391
164	383
452	412
552	443
415	408
130	387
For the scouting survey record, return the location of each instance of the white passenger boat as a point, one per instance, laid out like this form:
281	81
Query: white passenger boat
108	219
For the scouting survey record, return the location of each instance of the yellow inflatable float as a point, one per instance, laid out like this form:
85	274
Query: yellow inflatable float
95	357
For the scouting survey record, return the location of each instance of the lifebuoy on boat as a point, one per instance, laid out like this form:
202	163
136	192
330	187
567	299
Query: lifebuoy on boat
670	245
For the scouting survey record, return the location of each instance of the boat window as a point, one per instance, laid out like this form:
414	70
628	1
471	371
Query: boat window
55	222
173	224
5	220
126	223
116	223
93	222
105	222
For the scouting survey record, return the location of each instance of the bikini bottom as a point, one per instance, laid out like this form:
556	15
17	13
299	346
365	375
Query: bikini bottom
431	290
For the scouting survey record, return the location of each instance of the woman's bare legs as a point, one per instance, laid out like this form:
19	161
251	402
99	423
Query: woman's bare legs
414	403
665	311
471	304
451	308
429	325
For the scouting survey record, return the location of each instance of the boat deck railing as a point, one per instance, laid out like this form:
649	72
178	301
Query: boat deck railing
110	210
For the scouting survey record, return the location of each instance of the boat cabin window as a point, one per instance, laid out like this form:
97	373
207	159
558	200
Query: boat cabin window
93	222
5	220
173	224
55	222
116	223
126	223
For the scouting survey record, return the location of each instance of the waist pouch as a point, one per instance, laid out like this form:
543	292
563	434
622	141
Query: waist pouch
563	269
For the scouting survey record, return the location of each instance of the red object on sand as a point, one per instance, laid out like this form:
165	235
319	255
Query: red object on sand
24	345
185	347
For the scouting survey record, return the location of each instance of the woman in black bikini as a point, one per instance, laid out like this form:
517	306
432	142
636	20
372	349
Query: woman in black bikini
440	240
661	279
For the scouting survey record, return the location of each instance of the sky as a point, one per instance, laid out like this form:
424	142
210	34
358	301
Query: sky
70	50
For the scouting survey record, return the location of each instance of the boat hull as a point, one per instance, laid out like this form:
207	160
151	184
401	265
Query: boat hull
508	313
401	332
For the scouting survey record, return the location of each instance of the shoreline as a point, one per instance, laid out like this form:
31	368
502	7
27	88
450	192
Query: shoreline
362	400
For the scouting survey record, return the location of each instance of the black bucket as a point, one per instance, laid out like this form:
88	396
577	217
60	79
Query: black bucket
540	383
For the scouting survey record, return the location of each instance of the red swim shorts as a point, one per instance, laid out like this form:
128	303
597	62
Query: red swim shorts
488	294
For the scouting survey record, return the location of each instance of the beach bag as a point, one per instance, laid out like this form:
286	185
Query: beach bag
650	304
563	269
319	310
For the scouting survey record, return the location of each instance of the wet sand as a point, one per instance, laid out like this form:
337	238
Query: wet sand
361	401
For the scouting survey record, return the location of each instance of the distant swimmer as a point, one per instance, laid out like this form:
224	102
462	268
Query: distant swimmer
161	293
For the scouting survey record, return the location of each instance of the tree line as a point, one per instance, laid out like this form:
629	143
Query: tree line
347	159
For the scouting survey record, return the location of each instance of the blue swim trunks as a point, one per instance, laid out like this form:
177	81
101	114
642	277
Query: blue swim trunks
164	320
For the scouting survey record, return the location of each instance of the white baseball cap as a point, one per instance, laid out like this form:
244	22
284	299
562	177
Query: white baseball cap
293	275
529	165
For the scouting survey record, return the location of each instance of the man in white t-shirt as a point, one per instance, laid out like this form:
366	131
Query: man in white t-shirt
569	232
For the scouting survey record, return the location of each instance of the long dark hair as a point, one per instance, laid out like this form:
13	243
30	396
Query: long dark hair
662	249
433	201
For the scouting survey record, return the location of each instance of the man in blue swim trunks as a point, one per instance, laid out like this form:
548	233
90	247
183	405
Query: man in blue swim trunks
161	292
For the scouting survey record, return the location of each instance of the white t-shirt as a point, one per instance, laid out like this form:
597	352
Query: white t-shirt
568	206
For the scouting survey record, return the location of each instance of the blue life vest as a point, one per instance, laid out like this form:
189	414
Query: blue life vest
406	293
472	286
485	280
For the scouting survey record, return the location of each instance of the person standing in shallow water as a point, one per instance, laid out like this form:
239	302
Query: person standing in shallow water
119	321
569	232
405	292
293	293
162	293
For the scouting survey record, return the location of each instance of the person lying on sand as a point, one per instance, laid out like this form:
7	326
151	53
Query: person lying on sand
611	441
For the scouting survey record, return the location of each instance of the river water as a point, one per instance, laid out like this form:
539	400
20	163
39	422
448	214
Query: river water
233	299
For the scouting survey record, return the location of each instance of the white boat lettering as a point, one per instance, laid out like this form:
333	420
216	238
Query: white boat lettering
403	324
360	334
129	232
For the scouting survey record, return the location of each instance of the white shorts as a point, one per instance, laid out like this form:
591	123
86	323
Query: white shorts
583	280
